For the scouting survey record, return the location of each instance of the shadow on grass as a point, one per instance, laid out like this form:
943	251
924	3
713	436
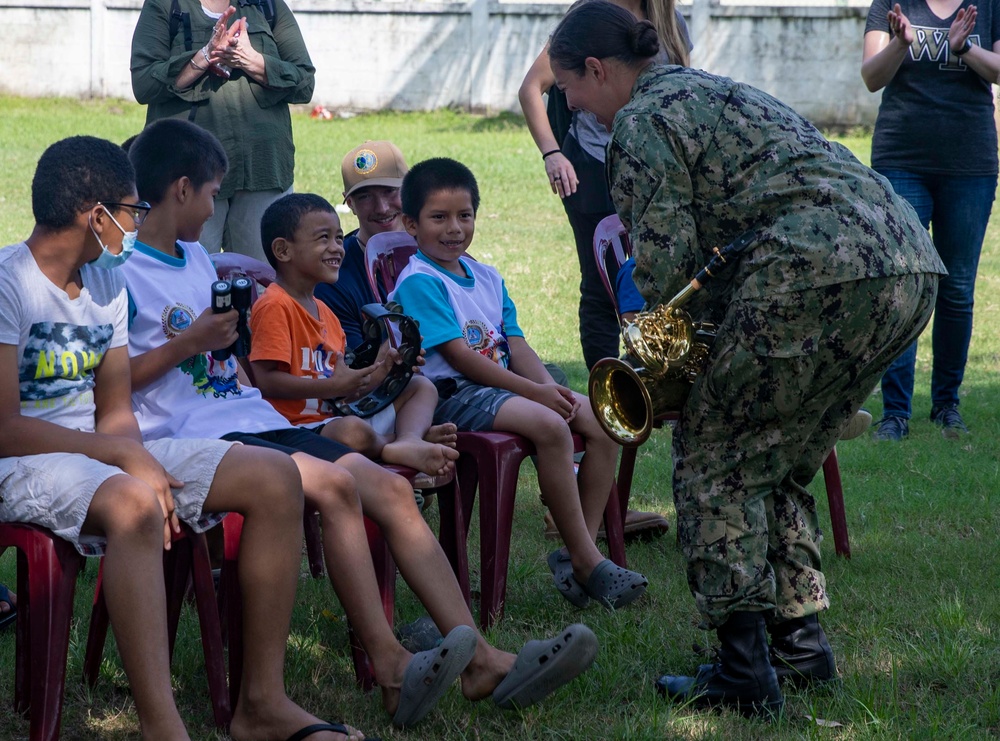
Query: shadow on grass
506	121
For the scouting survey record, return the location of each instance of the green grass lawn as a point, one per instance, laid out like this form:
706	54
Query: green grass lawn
914	613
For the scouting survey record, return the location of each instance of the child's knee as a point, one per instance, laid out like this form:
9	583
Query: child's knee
335	491
354	432
125	506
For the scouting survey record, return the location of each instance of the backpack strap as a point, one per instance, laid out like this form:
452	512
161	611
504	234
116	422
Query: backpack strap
178	19
265	6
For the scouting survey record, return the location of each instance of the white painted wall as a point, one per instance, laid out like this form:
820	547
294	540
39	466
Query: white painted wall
416	55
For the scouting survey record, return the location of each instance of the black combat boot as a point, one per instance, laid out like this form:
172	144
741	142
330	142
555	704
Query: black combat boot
800	653
743	679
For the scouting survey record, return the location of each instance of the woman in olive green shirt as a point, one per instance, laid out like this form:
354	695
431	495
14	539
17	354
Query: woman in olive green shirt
181	53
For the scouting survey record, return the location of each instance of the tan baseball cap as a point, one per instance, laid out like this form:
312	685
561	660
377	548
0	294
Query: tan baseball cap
373	163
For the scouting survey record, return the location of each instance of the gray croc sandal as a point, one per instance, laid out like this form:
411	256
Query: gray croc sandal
430	673
562	574
542	667
613	586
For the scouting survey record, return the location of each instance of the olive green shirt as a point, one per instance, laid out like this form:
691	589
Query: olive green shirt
696	160
251	120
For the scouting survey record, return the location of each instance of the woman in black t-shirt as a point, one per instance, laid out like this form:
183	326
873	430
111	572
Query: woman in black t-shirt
935	141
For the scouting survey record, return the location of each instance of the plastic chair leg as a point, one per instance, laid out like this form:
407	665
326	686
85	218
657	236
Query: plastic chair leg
454	527
835	497
231	603
47	568
385	576
614	526
314	544
211	630
497	493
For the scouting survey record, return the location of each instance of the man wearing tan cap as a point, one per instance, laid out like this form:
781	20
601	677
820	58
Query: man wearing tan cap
373	173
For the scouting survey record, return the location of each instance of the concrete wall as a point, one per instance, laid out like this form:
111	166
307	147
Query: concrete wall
412	55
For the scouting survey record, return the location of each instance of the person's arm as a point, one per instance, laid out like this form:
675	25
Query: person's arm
653	193
161	70
285	73
485	372
116	440
885	51
208	332
984	62
562	177
275	382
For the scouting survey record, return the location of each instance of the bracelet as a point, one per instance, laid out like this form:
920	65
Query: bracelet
200	69
965	48
204	53
548	154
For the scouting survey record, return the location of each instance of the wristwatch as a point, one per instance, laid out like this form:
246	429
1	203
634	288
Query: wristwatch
965	48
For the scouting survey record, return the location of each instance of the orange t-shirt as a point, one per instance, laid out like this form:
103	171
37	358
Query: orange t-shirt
283	331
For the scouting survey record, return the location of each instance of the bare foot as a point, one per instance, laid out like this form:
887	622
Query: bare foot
269	721
430	458
486	670
446	434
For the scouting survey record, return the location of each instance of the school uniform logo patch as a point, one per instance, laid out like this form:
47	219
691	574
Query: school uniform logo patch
176	319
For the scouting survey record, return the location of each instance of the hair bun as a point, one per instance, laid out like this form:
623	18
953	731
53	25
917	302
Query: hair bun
643	40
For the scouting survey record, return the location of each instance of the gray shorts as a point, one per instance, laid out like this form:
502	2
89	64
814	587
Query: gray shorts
472	407
55	490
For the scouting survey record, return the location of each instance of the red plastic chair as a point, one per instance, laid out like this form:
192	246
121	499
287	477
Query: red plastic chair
489	460
187	560
47	567
611	245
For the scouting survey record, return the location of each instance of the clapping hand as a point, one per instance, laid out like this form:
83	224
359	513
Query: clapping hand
899	25
963	25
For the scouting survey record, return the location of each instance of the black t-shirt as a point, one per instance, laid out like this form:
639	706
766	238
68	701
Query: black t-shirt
936	114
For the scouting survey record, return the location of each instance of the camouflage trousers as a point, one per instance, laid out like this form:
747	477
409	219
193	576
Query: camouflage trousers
785	376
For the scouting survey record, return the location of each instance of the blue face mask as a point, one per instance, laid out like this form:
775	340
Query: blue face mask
108	259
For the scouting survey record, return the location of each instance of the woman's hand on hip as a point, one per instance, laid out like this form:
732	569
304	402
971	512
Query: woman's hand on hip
562	176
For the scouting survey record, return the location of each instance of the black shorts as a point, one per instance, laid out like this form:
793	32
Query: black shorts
293	440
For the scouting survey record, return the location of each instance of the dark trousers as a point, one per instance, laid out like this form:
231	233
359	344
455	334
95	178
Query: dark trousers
598	319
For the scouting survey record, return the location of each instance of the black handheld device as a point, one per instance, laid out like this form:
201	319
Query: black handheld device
222	301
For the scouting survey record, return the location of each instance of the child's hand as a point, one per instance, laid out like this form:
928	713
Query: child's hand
211	331
572	399
136	461
552	396
350	383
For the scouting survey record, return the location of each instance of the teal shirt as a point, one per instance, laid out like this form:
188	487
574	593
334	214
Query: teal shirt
252	121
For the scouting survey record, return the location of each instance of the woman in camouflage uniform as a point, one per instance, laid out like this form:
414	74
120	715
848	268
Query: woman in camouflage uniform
840	280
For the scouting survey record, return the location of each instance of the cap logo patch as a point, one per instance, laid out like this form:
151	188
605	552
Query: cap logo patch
365	162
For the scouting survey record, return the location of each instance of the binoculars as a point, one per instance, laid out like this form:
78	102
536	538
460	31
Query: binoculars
226	296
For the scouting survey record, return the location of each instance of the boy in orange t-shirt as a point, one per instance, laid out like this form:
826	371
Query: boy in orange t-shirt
298	348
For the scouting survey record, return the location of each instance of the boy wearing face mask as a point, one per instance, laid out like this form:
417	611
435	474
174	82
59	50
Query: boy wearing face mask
72	459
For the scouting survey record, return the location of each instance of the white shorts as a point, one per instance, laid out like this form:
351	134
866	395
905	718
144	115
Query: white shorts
384	423
55	490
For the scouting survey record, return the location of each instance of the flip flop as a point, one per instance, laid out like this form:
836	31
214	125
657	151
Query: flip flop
542	667
6	618
317	727
613	586
562	574
430	673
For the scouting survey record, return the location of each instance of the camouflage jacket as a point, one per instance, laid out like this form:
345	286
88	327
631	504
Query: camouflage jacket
696	160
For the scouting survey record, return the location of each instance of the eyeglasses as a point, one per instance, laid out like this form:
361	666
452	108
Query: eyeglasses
138	211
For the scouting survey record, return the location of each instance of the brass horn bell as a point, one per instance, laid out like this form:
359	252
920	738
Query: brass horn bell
665	351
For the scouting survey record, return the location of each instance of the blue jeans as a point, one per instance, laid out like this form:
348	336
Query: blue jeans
958	209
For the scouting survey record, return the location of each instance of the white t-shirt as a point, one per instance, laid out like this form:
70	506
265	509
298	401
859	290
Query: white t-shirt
202	397
60	341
